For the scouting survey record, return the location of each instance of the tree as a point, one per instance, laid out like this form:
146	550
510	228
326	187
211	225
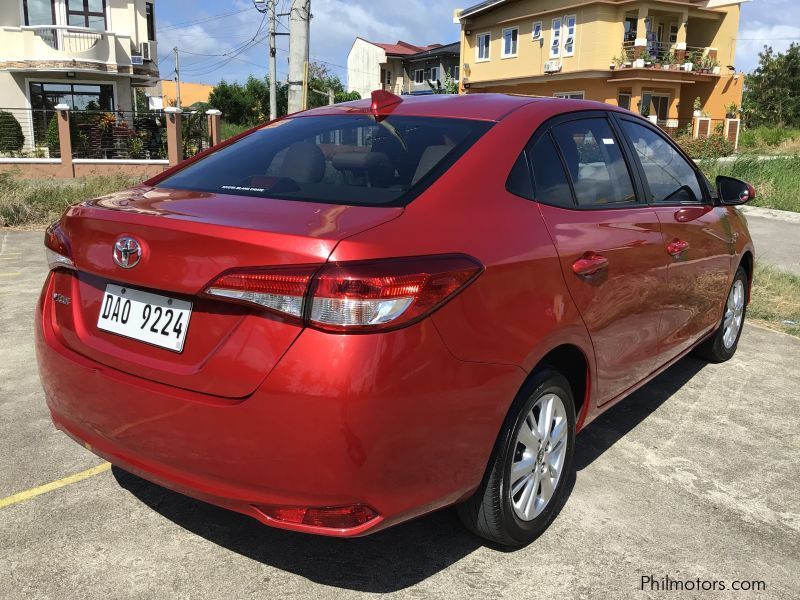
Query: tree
772	91
248	103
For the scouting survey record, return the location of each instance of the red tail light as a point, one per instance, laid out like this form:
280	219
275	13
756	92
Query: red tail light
357	296
330	517
279	290
57	248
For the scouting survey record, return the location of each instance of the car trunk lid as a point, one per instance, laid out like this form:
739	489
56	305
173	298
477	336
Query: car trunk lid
188	239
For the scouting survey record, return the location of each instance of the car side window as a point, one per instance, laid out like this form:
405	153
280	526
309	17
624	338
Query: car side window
595	163
550	180
671	178
519	179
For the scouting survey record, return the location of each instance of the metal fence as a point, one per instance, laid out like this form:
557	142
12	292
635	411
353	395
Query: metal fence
118	135
196	136
24	133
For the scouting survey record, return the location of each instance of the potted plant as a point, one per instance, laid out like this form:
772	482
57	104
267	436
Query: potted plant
639	63
731	110
698	107
648	59
668	61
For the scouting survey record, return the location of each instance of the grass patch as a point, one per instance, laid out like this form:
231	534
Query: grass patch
775	300
35	203
776	180
228	130
769	140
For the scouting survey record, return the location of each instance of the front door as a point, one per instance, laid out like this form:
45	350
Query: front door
609	244
697	238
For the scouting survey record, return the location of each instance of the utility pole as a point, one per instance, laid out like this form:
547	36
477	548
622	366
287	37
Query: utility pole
273	67
299	22
177	77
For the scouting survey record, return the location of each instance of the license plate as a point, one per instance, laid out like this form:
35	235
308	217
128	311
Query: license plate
149	318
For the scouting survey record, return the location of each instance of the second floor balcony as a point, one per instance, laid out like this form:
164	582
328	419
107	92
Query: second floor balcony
668	57
61	46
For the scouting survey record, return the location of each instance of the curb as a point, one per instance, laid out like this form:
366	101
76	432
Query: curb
771	213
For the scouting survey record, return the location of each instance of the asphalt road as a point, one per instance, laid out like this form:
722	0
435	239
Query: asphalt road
697	475
776	236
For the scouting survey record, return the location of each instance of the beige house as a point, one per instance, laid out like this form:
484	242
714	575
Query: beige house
88	54
655	57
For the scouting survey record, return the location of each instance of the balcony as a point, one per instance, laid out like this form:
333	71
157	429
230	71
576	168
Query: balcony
76	48
667	57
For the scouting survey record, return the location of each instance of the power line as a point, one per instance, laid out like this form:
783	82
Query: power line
202	20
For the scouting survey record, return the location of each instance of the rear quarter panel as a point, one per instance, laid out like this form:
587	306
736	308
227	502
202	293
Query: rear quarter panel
519	308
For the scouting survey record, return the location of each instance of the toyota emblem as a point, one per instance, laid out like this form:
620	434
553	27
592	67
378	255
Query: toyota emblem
127	252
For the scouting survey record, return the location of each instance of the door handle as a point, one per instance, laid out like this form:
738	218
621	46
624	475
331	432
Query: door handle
589	264
676	247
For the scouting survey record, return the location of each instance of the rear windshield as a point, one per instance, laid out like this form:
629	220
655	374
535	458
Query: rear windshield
349	159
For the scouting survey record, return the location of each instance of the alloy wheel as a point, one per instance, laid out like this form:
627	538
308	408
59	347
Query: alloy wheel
539	453
734	314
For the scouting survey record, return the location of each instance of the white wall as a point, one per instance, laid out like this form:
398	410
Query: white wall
364	67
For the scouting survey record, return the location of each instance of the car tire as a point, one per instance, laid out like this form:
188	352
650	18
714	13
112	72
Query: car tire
721	346
499	510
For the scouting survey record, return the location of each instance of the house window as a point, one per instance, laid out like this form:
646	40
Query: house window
87	13
510	37
624	100
39	12
482	46
537	30
456	72
434	74
149	12
419	76
673	33
569	95
654	105
569	43
45	97
555	39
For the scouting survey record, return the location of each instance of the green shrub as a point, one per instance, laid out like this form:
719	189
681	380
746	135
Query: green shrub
713	146
11	136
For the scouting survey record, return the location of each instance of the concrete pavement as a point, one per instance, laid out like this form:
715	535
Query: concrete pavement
697	475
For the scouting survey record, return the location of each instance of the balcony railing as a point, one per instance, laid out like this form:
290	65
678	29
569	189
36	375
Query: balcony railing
72	40
664	55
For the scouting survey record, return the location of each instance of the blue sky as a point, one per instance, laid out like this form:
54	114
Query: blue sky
225	39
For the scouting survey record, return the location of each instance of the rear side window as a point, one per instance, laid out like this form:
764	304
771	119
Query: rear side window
348	159
549	177
595	163
670	176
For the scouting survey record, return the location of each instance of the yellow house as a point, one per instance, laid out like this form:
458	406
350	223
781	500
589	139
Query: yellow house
191	93
654	57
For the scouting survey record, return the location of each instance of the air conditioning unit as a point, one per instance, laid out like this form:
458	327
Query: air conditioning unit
552	66
136	60
144	47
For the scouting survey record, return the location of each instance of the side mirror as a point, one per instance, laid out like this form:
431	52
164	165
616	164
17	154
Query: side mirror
734	191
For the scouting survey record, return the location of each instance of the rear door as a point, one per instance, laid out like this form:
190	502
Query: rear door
609	244
698	238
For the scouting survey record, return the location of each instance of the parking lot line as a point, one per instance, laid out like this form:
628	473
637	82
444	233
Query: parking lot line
53	485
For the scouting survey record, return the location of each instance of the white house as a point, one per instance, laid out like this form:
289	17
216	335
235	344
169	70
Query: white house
83	53
378	65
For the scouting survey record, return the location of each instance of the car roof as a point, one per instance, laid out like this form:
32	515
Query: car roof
484	107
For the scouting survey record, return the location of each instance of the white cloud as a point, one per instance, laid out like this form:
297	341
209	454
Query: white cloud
773	23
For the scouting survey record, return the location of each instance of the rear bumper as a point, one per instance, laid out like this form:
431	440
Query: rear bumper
392	421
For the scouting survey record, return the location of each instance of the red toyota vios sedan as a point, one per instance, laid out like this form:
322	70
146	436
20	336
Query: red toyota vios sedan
365	312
